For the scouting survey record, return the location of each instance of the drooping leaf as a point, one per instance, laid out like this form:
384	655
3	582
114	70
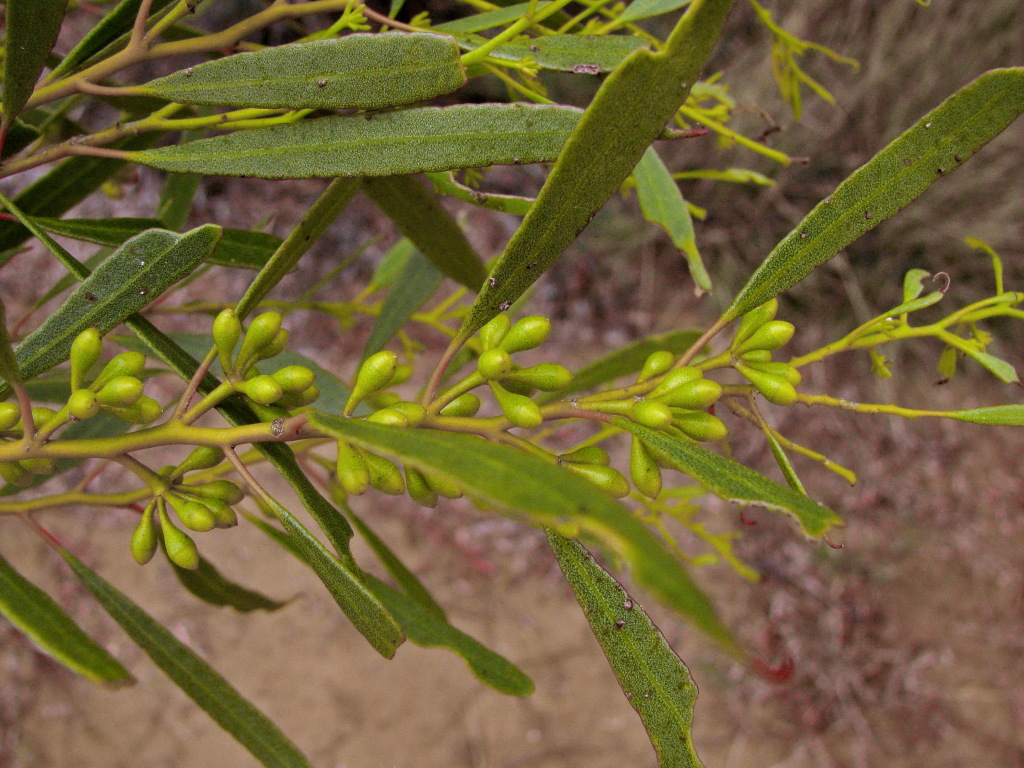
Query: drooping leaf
655	680
645	9
210	586
421	218
378	144
142	269
479	22
32	28
733	481
788	470
365	71
503	479
662	203
998	367
995	415
938	143
35	613
197	679
629	111
417	283
582	54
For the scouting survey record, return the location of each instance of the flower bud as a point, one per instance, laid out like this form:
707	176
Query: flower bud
120	392
82	404
402	374
442	486
145	411
41	415
757	356
144	539
85	352
528	333
521	411
227	330
494	331
652	413
519	387
15	474
224	516
193	514
203	457
769	336
376	372
464	405
774	388
124	364
753	320
700	425
696	395
352	470
644	470
40	466
782	370
413	412
10	414
588	454
389	416
674	378
261	389
420	491
261	333
494	364
294	378
275	347
384	476
221	490
181	550
547	377
656	364
607	479
306	397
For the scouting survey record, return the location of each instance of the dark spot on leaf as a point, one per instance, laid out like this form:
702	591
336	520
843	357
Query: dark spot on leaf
620	624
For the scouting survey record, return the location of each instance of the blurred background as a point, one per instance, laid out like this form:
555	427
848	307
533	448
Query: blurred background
903	648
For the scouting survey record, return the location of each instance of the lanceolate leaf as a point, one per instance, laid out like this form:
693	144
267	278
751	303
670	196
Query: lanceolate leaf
939	143
426	629
366	71
645	9
194	676
422	219
32	27
733	481
378	144
996	415
524	486
479	22
662	203
582	54
130	279
209	585
416	283
629	111
33	612
655	680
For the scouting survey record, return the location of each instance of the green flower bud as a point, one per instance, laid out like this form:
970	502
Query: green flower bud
442	486
304	398
40	466
518	387
769	336
145	411
696	395
607	479
124	364
420	491
528	333
220	490
674	378
656	364
261	332
753	320
261	389
85	352
294	378
413	412
464	405
775	389
652	413
402	374
700	425
782	370
120	392
376	372
757	356
352	470
588	454
947	362
275	347
10	414
494	364
380	400
521	411
227	330
547	377
144	539
389	416
15	474
644	470
494	331
224	516
82	404
181	550
384	476
203	457
193	514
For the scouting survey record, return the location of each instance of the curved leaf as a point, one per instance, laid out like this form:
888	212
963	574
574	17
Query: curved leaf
35	613
32	28
733	481
654	679
938	143
582	54
195	677
365	71
512	482
210	586
378	144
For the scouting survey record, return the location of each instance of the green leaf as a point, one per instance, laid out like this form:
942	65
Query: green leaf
913	283
8	363
378	144
505	480
915	304
788	470
997	263
32	611
417	283
444	183
32	28
364	71
420	217
645	9
733	481
999	368
478	22
425	629
938	143
392	265
996	415
210	586
655	680
662	203
623	362
19	136
629	111
195	677
582	54
130	279
176	199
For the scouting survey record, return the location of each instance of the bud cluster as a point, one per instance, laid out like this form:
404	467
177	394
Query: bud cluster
757	336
